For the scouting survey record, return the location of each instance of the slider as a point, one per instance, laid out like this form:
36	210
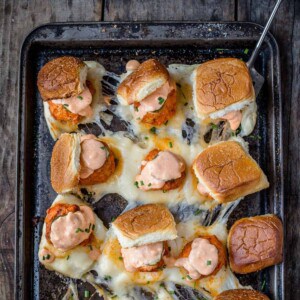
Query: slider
143	233
223	91
150	91
161	170
202	257
255	243
70	89
80	160
226	172
71	238
241	294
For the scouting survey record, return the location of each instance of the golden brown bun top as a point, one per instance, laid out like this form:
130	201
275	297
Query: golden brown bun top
145	219
222	82
225	166
255	240
148	72
60	78
241	294
65	163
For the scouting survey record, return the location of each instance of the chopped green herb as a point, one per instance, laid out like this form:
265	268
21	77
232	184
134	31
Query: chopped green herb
114	296
185	104
161	285
120	258
146	138
179	85
149	184
79	97
219	49
197	212
214	126
87	230
171	292
169	248
68	257
79	229
246	51
183	278
192	108
43	257
93	227
48	256
170	144
136	184
164	191
142	182
166	122
263	285
161	100
189	277
113	219
153	130
103	148
208	262
107	277
136	108
91	247
255	137
66	106
148	282
86	294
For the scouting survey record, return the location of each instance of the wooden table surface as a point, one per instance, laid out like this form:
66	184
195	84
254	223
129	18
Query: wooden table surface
18	17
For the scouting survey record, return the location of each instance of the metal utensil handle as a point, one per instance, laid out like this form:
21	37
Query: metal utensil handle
262	37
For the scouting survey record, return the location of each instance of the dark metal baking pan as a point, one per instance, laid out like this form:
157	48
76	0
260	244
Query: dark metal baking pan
112	44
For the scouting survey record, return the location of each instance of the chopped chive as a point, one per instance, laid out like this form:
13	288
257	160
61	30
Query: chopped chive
148	282
166	122
68	257
263	285
255	137
208	262
79	229
146	138
93	227
136	184
86	294
153	130
150	184
48	256
103	148
192	108
161	100
171	292
79	97
87	230
189	277
120	258
170	145
136	108
185	104
214	126
164	191
107	277
113	219
220	49
169	248
161	285
114	296
65	106
43	257
197	212
182	278
91	247
142	182
246	51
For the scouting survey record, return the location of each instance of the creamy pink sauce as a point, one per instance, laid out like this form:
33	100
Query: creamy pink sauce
234	118
203	259
145	255
166	166
153	102
70	230
46	256
94	254
79	104
93	155
132	65
202	189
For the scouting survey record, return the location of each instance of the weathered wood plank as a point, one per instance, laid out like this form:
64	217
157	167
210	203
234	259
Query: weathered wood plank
155	10
17	18
286	29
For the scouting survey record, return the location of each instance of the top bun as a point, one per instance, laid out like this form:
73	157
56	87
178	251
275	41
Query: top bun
62	77
65	163
241	294
145	224
228	172
220	83
148	77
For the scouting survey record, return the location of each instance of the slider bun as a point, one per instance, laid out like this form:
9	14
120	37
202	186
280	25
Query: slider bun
65	163
147	78
241	294
255	243
62	77
145	224
228	172
220	86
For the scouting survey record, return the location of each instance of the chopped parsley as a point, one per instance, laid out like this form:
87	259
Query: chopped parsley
79	230
170	144
246	51
208	262
153	130
161	100
79	97
214	126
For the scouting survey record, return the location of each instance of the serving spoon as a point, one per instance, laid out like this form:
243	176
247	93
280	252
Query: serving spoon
258	80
